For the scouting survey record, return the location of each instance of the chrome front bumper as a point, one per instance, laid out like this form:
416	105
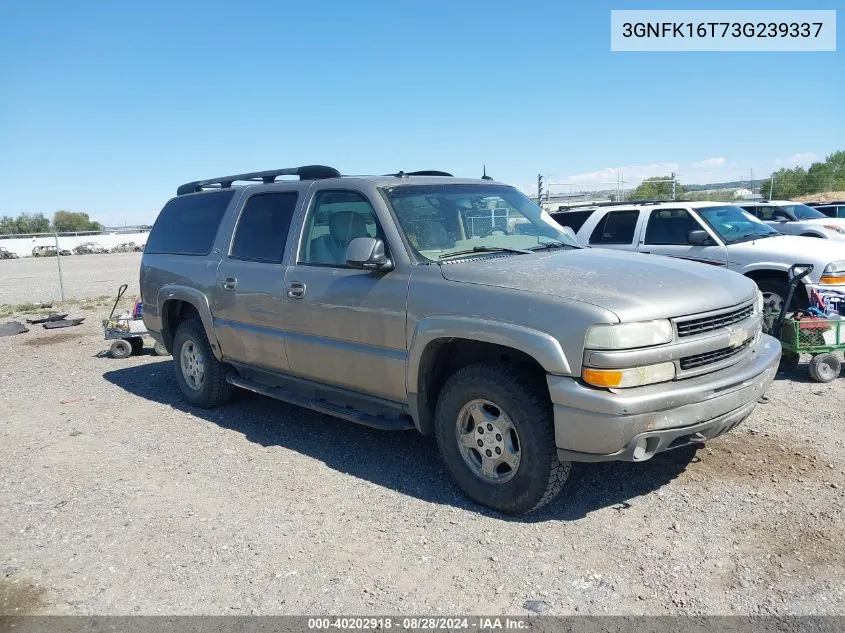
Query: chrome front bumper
633	424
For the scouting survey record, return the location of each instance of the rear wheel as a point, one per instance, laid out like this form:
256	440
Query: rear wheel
495	433
160	349
825	367
137	344
200	376
120	349
788	361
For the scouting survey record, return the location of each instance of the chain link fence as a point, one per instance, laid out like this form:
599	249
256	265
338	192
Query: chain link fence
49	267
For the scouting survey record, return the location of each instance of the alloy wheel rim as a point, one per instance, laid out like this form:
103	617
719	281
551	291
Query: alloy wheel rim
488	441
193	367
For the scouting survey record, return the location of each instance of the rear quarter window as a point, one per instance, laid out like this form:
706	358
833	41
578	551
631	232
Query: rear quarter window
187	225
573	219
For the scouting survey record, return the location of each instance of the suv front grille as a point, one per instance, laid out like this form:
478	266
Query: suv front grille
707	358
715	322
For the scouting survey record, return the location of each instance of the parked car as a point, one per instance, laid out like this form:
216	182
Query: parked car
832	209
794	218
49	251
5	253
89	248
713	233
127	247
390	301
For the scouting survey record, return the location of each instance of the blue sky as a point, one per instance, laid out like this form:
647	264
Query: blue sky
106	106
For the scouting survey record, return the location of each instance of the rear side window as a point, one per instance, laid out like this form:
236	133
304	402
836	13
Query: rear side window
573	219
188	224
263	227
617	227
670	226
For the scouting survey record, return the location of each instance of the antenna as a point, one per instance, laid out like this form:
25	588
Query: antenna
484	176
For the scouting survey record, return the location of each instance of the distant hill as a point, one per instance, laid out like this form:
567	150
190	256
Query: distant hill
736	184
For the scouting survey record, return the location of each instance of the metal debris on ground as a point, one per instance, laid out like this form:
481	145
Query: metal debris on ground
54	325
12	327
53	316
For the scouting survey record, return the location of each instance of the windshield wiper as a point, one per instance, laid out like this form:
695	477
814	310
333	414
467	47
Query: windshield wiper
485	249
751	238
552	244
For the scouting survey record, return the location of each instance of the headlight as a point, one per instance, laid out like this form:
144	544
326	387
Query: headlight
633	377
835	227
628	335
834	273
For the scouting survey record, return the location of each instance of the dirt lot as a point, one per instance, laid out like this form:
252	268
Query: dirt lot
120	499
34	279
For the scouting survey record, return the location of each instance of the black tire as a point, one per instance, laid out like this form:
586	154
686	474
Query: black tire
774	286
789	361
137	344
539	476
825	367
160	349
120	349
213	390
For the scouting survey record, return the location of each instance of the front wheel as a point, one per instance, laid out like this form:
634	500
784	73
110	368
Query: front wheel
774	295
200	376
495	432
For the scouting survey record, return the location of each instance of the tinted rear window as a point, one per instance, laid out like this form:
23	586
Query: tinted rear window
188	224
573	219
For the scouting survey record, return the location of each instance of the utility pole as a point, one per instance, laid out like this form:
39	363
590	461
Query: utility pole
752	181
771	186
674	181
540	190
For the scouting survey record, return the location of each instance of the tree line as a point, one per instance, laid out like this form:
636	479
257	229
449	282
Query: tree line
62	222
828	175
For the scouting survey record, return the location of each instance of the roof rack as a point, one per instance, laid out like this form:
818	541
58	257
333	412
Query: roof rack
306	172
424	172
622	203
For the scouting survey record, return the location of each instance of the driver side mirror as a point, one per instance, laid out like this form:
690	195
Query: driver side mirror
698	238
367	253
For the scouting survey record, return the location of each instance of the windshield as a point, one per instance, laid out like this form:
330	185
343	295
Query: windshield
734	224
802	211
444	220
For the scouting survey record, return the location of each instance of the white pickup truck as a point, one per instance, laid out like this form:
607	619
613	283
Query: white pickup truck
712	233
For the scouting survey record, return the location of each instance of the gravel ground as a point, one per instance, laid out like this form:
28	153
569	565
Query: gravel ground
32	279
119	498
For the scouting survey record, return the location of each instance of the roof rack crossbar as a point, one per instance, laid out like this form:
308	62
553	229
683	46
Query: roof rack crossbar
306	172
423	172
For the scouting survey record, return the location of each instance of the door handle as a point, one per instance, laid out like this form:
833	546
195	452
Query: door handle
296	290
230	283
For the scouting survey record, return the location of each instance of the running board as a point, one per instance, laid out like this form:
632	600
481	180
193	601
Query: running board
385	423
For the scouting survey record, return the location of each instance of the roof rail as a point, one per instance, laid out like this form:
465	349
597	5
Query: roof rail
621	203
424	172
306	172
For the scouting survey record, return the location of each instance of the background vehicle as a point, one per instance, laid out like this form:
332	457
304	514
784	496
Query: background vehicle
49	251
794	218
127	247
421	301
712	233
89	248
5	253
833	209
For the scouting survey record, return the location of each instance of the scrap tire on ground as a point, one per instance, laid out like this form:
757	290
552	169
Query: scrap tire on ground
825	367
194	361
517	400
780	287
121	348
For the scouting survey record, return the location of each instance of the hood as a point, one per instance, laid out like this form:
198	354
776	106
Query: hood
635	287
790	249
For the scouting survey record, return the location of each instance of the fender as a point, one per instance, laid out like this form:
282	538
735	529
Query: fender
773	266
199	301
543	347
